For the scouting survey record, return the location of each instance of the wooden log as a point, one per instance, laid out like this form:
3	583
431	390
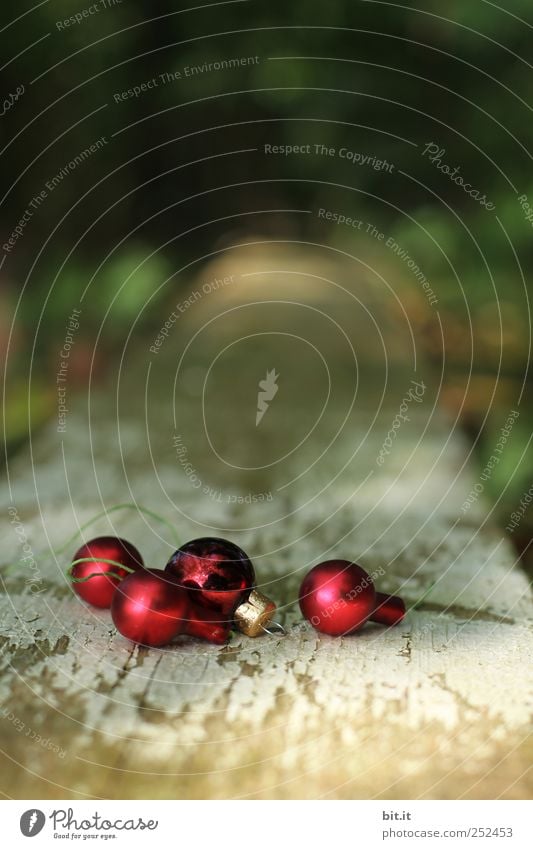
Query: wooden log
437	707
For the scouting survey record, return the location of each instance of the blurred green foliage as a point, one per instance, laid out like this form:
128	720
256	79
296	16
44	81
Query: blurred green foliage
378	77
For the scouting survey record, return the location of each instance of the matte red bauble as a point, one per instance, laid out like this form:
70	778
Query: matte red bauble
337	597
99	591
150	608
220	577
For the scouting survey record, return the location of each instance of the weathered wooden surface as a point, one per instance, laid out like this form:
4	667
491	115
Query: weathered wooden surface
437	707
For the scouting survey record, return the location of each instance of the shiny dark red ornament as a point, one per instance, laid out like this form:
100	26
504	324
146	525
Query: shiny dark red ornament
337	597
220	577
219	574
150	607
98	590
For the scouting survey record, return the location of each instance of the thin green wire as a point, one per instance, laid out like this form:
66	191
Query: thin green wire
126	506
96	574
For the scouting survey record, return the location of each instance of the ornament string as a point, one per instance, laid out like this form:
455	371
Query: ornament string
127	505
96	574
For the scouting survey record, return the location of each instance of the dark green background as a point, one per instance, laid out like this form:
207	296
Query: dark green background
458	74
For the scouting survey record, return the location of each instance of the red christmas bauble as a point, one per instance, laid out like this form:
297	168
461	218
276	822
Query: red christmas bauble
150	608
99	591
337	597
217	573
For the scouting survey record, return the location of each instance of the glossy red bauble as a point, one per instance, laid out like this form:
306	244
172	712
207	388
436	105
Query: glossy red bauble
217	573
337	597
220	577
99	591
150	608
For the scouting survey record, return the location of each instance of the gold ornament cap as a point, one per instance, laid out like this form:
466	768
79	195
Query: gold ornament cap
253	615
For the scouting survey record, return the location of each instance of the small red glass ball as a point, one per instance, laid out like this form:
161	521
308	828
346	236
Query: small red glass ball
150	608
217	573
337	597
328	600
99	591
